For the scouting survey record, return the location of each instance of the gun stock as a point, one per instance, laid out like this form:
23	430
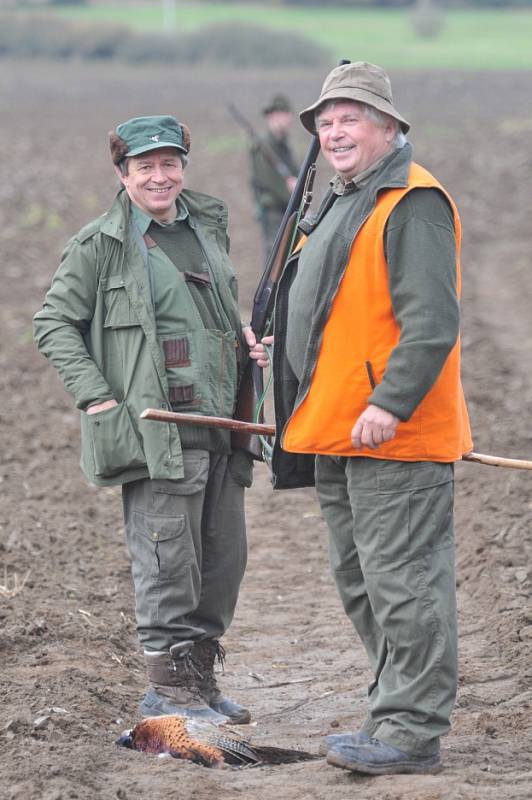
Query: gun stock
249	394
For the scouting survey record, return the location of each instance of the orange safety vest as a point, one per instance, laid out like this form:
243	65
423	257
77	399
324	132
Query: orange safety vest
357	340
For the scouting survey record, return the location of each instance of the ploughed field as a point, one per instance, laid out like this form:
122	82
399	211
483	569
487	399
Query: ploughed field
71	669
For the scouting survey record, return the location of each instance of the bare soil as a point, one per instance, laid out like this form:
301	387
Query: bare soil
71	670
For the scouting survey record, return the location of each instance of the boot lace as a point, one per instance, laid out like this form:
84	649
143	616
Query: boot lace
187	673
206	653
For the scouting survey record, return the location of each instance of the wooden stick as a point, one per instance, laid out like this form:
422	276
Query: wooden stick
497	461
207	422
262	429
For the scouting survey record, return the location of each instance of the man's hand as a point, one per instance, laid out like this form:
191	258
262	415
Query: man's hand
256	349
374	427
101	406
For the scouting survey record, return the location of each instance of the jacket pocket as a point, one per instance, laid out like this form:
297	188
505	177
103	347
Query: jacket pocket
196	469
201	366
115	444
119	312
221	371
182	359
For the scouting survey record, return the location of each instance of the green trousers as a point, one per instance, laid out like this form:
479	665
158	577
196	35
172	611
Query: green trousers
392	557
187	543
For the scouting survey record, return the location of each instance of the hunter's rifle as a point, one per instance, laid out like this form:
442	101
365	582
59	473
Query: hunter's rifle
251	390
250	393
278	165
252	386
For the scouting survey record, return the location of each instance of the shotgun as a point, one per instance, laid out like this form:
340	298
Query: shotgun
250	393
251	385
250	428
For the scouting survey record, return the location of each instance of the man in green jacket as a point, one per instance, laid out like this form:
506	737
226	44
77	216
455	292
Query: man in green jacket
143	312
273	168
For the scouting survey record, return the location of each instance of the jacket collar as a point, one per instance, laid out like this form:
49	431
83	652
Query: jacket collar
390	173
116	220
202	207
393	173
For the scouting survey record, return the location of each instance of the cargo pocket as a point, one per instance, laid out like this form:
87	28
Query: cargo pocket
115	444
161	545
415	510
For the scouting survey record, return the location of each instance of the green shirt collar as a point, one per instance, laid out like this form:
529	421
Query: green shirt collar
143	220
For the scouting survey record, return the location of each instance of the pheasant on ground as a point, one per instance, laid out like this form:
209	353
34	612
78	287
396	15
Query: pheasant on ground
204	743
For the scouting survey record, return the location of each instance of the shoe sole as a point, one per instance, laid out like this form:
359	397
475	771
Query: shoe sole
402	767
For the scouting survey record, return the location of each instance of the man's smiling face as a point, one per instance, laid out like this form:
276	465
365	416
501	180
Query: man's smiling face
350	141
154	181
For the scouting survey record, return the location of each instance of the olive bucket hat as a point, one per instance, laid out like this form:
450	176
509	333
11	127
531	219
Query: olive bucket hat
141	134
360	81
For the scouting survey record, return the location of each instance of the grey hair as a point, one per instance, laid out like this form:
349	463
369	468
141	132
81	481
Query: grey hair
379	118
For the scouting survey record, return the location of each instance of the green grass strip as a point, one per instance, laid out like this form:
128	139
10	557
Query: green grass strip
470	39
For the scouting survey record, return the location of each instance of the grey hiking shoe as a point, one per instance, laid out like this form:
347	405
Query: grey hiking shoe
379	758
174	686
204	654
359	737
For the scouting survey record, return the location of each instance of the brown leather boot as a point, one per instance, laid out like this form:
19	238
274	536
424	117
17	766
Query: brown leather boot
204	654
174	686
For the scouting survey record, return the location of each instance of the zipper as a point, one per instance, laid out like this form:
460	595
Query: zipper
371	376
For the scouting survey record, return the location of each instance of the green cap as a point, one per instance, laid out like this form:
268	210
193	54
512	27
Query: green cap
142	134
279	102
360	81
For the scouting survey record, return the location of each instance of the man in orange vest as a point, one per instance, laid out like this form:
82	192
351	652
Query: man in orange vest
371	409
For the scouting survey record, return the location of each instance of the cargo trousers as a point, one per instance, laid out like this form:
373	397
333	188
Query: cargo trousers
187	543
392	557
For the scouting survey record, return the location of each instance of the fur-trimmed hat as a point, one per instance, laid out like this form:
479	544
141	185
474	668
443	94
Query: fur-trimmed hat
141	134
